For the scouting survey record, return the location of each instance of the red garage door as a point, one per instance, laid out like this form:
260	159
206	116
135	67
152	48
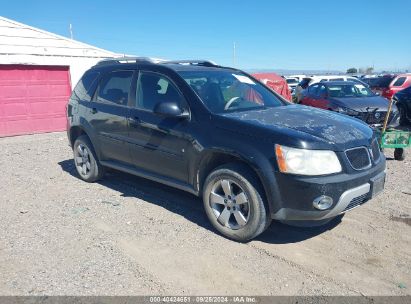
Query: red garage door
33	99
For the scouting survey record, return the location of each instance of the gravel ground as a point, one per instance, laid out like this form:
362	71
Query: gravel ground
128	236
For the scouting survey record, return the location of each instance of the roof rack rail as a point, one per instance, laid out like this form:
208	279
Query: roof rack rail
191	62
127	60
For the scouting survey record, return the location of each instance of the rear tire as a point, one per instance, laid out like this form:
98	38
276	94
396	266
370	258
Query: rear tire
233	201
87	165
399	154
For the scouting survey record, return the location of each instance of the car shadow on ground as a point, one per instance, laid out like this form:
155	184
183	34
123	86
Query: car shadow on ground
190	206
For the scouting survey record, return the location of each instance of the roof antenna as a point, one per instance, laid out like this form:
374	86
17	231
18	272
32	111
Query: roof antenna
71	31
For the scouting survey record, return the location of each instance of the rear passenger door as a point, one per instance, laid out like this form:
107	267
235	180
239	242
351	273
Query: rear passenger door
108	112
158	144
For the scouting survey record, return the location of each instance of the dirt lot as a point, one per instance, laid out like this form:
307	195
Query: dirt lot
128	236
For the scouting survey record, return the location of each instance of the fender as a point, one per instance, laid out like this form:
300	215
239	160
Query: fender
255	160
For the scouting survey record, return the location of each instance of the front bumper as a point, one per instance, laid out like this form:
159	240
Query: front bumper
348	191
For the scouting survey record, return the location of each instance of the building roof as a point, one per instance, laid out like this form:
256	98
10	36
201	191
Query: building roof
20	39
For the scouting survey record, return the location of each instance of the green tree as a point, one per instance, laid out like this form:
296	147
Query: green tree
352	71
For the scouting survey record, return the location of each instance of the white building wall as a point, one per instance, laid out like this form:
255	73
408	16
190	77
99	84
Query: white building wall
22	44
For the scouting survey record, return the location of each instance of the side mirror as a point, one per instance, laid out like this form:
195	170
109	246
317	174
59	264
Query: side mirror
170	109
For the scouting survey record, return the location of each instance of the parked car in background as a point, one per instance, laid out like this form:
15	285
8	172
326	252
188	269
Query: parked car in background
298	77
302	86
292	84
220	134
379	84
399	83
402	100
352	99
316	79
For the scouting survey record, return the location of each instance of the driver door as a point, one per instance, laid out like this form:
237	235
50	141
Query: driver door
158	144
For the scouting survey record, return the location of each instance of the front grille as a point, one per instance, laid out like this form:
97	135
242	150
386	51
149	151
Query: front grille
357	201
375	150
358	158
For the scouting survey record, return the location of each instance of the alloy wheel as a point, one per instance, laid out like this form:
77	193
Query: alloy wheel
230	204
82	160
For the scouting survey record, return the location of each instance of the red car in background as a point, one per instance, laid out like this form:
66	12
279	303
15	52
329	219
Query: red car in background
399	83
275	83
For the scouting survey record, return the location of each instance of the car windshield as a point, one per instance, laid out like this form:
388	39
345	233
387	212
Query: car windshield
292	81
226	91
349	90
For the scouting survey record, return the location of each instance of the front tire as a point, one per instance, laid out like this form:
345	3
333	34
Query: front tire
85	160
233	201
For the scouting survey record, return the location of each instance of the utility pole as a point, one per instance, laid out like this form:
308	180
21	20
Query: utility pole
234	59
71	31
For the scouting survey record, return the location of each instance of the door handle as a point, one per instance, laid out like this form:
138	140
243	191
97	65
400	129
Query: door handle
134	120
94	110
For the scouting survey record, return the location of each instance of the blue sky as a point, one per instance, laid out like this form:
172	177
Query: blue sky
316	34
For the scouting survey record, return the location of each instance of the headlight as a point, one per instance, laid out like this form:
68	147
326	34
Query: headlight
347	111
307	162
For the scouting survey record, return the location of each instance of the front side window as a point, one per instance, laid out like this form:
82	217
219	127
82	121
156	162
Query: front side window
322	91
399	82
115	87
224	91
154	88
312	90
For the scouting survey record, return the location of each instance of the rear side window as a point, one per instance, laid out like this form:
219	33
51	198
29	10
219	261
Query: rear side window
154	88
399	82
115	87
85	88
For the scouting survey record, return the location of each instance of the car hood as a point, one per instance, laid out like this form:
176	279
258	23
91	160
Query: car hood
313	128
361	104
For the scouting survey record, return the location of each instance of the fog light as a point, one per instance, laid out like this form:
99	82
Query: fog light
323	202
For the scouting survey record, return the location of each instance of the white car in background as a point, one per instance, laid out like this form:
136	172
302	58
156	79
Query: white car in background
298	77
315	79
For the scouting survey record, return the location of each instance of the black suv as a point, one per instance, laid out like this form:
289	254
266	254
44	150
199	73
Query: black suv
219	133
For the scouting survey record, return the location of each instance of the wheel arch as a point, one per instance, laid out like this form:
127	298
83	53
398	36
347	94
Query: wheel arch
81	129
214	158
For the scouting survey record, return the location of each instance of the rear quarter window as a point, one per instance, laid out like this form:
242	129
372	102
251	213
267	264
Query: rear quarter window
399	82
85	88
